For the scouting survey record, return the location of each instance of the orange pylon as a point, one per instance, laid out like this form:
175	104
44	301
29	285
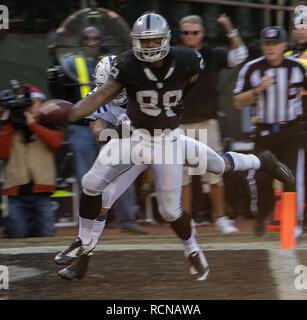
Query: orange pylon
288	220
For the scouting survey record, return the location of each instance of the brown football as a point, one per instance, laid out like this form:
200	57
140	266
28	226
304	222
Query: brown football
54	112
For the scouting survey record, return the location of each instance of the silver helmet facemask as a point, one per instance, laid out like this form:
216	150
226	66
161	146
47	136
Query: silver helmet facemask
150	26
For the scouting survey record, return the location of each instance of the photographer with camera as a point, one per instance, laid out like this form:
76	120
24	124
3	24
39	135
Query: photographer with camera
29	167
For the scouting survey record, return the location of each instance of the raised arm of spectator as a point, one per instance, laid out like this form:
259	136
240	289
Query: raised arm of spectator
238	52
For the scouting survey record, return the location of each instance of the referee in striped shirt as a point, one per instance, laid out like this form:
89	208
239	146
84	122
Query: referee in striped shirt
272	84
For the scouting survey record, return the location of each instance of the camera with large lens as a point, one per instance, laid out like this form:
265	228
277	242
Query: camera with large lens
17	100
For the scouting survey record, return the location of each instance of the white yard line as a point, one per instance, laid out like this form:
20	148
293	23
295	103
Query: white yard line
154	247
282	264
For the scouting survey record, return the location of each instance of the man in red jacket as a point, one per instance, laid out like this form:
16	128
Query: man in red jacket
29	171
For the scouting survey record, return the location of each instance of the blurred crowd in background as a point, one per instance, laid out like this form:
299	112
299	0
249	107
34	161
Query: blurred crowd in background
54	47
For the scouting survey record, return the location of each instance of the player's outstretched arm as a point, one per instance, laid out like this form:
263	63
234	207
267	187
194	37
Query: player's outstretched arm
101	97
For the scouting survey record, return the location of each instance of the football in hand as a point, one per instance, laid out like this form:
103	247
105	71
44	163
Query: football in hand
54	112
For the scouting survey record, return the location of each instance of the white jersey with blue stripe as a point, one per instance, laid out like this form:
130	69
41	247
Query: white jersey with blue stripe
109	112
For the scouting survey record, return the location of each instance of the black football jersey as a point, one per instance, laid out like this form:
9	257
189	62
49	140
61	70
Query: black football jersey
202	101
153	92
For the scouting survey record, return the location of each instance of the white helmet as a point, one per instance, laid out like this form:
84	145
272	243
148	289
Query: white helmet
101	75
300	18
150	26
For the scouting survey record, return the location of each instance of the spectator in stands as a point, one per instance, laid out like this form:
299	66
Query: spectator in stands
202	104
73	83
29	169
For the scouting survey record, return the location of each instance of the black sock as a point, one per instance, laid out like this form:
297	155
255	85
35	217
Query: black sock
182	226
90	206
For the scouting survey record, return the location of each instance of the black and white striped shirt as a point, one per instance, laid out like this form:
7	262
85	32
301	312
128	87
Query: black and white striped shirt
281	101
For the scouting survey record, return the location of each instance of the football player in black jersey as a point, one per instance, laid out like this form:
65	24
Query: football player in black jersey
156	77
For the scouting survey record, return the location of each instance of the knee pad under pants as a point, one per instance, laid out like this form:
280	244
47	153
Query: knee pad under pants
169	204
